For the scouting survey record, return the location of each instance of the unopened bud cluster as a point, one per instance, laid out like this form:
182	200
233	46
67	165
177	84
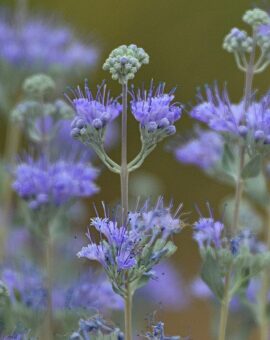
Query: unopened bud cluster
256	17
38	86
238	41
124	61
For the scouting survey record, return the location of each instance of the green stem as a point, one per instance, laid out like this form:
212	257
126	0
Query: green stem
124	206
263	301
225	304
48	334
238	195
128	314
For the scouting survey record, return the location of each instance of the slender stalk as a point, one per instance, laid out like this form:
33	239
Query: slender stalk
263	318
124	167
124	205
224	313
128	314
48	334
224	309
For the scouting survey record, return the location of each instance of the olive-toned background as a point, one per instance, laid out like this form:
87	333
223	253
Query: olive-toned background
183	38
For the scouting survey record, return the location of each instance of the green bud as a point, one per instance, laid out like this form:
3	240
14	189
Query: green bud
38	86
125	61
256	17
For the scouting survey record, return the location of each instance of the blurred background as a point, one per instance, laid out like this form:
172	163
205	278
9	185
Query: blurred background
184	40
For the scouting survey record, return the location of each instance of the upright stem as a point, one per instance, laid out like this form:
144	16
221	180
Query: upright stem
124	206
124	167
48	332
224	309
263	318
238	196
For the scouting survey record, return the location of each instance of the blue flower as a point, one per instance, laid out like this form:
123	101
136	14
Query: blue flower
42	182
208	232
204	150
154	108
95	112
221	115
130	252
40	44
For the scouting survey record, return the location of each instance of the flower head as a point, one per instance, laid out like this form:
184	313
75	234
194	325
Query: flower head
125	61
221	115
204	150
41	182
130	252
154	109
93	112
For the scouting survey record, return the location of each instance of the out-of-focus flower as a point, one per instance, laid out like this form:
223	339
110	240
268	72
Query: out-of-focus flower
204	151
166	287
92	291
221	115
42	45
208	232
25	284
41	182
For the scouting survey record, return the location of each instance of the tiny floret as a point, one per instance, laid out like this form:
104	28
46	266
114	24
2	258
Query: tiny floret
125	61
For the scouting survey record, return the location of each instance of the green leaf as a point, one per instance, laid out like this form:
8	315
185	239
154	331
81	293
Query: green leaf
228	163
252	168
211	275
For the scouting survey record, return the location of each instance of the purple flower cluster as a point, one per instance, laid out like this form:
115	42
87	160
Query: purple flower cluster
95	112
135	248
41	182
154	108
204	151
41	44
221	115
164	276
92	292
25	284
208	232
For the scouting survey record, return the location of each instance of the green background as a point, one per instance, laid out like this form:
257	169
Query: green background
183	39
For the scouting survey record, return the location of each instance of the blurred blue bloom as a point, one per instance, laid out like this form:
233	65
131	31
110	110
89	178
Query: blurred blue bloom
25	283
154	108
207	232
40	44
95	112
166	287
205	150
91	291
221	115
41	182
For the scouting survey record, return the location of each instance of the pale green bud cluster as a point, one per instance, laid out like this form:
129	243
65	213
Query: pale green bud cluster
124	61
238	41
256	17
38	86
264	42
